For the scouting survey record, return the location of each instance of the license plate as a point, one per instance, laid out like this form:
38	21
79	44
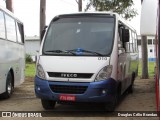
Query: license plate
67	98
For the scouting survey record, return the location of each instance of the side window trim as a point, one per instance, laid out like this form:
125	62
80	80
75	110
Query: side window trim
135	42
132	45
19	27
7	36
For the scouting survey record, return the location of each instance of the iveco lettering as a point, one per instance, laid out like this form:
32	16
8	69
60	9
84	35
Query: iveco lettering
86	57
69	75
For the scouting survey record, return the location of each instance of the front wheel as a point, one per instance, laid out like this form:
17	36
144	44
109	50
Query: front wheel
48	104
110	106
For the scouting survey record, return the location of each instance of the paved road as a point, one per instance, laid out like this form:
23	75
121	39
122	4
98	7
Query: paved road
143	99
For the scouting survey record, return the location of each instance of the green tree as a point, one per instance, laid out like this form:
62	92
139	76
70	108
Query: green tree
122	7
79	2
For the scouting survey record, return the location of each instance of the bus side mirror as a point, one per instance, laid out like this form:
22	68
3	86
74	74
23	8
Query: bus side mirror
125	35
43	32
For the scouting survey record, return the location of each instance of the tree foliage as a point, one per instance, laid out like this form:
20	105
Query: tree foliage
122	7
28	58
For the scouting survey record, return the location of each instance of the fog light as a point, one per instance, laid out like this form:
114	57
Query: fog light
104	91
38	88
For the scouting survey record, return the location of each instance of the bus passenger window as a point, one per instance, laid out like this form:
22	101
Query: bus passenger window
20	33
2	26
11	28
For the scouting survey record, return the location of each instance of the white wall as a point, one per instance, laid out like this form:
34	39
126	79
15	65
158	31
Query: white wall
151	47
32	45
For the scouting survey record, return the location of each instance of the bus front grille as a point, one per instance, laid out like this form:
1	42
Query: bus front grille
70	75
68	89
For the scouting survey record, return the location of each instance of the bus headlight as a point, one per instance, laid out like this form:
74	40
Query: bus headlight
104	73
40	72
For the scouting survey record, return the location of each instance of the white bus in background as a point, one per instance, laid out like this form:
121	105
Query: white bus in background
86	57
12	53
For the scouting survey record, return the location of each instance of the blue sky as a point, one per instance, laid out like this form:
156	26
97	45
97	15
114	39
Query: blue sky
28	12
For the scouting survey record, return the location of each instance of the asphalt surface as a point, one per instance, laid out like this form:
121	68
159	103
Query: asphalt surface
140	101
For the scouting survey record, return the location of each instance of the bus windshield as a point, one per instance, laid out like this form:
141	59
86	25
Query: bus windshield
84	36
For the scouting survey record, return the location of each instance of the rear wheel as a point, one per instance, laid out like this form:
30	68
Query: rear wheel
9	87
130	89
48	104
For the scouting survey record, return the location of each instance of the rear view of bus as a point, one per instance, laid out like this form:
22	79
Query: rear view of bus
12	53
84	58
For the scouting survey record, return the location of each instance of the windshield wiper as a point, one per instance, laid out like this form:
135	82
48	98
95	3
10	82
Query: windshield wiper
56	51
87	51
60	51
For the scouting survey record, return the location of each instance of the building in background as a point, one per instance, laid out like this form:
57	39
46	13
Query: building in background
151	48
32	45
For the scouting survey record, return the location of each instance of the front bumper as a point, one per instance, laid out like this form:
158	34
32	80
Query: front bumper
102	91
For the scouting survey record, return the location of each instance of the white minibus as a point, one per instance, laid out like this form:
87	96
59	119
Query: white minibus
86	57
12	53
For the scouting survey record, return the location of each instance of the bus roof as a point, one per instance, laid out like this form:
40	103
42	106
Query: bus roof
100	13
10	13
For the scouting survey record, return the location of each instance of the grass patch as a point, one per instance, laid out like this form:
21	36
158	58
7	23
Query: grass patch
30	70
151	66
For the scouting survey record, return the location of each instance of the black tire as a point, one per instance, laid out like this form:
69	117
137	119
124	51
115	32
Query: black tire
119	92
130	89
110	106
9	87
48	104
